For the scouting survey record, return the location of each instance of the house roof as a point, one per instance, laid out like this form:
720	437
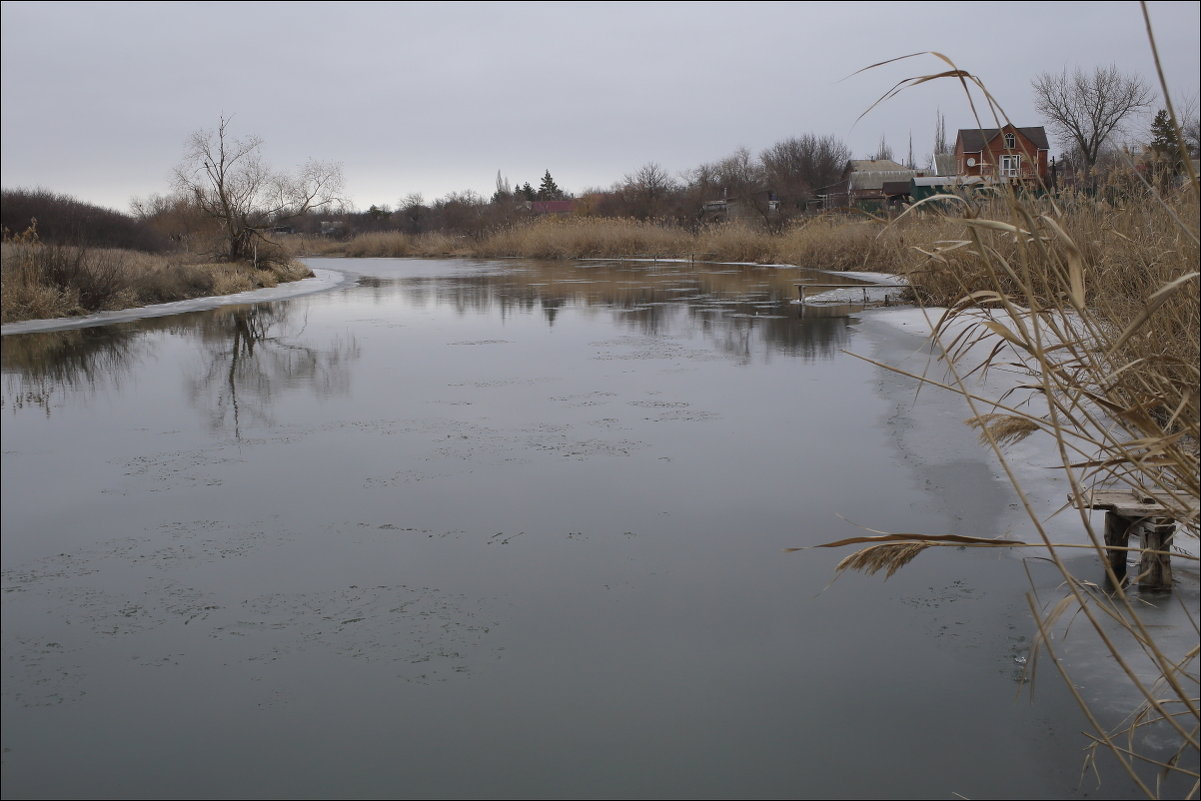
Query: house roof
875	179
974	139
865	165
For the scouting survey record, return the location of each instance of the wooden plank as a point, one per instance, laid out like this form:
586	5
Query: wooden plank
1124	502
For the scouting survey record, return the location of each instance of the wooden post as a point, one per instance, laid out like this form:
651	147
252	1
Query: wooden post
1117	534
1153	519
1155	569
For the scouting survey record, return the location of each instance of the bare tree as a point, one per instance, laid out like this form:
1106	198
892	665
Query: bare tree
883	150
940	134
739	175
646	190
413	212
1084	109
1190	126
227	179
797	167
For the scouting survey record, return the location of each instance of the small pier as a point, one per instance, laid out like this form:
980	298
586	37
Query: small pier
1147	516
802	287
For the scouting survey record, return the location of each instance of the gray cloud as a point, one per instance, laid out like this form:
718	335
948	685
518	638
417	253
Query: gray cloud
98	98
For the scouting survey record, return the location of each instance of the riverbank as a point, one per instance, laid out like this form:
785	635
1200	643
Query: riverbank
42	281
321	281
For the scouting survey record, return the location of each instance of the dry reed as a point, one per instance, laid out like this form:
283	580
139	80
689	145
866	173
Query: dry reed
1097	299
44	281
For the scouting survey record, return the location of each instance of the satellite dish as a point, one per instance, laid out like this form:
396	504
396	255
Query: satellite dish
971	162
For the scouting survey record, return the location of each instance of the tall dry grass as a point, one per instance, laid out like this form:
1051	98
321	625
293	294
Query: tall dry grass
588	237
39	280
1097	302
836	242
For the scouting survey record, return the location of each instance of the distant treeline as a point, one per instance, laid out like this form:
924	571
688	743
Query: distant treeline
767	191
60	219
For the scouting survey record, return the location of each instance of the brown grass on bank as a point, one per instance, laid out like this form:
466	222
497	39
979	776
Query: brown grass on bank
1098	304
592	237
39	281
1095	299
835	242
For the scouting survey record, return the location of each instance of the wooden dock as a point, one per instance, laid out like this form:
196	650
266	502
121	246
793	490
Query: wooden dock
802	287
1146	516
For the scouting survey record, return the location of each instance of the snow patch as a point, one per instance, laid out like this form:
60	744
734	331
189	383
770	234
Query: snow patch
321	281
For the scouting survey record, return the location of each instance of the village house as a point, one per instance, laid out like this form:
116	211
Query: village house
866	184
1008	153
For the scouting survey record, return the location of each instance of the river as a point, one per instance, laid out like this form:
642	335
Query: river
508	529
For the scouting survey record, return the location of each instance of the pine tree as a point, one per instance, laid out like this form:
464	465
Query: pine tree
1163	136
549	190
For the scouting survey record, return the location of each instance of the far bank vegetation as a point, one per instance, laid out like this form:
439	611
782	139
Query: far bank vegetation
212	236
63	257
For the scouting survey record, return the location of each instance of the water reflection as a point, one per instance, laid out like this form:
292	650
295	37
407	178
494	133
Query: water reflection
739	309
250	353
39	368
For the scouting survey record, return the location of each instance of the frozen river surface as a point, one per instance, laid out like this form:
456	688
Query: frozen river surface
508	530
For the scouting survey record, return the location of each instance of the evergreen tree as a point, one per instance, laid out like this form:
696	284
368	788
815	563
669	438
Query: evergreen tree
549	190
1163	136
526	192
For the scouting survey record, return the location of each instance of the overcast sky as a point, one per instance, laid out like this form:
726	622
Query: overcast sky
99	98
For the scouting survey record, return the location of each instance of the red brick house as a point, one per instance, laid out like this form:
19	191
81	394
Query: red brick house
1002	153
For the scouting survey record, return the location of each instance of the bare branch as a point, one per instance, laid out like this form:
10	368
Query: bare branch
227	178
1086	109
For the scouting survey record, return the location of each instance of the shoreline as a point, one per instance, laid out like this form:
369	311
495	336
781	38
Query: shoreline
321	281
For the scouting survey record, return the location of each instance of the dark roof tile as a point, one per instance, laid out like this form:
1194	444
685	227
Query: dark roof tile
974	139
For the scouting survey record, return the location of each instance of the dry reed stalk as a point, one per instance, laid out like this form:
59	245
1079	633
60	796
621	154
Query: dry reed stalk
44	281
1098	303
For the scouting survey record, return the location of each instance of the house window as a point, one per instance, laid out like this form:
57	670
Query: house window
1011	166
1010	141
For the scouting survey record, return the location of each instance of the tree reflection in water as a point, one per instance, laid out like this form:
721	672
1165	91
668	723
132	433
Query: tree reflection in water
254	352
251	353
42	366
743	311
